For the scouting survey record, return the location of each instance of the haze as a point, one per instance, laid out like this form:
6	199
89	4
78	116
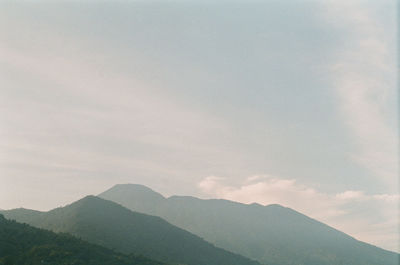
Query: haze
288	102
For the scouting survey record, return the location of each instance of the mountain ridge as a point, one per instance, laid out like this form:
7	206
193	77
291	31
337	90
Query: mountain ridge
111	225
271	234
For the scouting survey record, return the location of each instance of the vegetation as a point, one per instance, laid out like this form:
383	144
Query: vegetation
109	224
21	244
273	234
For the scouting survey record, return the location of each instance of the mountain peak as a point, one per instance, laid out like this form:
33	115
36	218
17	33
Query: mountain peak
133	188
140	197
276	206
87	199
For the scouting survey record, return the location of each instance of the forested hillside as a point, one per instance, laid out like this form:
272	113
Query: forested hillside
109	224
21	244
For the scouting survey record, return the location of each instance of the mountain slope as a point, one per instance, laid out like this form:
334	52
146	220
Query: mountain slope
270	234
22	244
108	224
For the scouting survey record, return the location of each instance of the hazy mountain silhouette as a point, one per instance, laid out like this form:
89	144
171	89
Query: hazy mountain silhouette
109	224
21	244
270	234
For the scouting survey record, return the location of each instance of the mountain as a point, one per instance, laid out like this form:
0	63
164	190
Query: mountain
270	234
25	245
109	224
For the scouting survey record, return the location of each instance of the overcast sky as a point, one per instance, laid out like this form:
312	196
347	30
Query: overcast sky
290	102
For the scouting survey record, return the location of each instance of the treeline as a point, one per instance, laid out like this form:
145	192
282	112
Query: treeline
21	244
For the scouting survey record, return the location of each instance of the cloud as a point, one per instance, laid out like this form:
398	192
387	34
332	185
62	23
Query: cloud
364	77
367	217
351	195
210	184
388	197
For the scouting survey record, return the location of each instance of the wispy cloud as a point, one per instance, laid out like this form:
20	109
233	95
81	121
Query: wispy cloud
368	217
364	77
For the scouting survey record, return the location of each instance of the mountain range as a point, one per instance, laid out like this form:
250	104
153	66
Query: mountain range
135	220
110	225
271	234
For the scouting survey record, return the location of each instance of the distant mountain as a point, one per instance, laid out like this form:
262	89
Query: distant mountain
109	224
23	215
21	244
270	234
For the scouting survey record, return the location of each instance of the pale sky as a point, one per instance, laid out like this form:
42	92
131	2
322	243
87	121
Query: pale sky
290	102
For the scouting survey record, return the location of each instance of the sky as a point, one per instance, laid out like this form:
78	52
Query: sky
290	102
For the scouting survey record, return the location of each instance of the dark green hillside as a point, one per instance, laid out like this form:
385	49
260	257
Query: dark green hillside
109	224
270	234
21	244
